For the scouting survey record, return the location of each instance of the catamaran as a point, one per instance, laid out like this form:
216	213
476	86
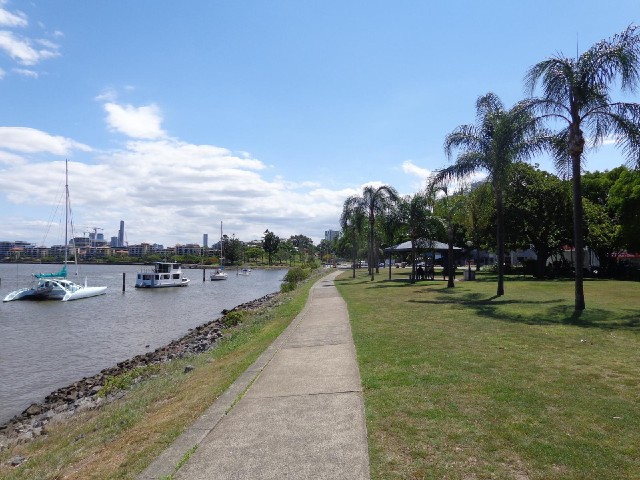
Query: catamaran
55	286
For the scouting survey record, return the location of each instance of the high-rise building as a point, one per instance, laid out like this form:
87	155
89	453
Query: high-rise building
205	240
331	235
121	234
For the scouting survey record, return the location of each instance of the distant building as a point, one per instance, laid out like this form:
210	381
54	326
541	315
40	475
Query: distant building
205	240
121	235
331	235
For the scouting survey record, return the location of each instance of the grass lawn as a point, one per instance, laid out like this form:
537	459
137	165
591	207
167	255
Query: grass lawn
461	384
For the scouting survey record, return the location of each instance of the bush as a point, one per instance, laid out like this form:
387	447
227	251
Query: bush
294	276
124	380
232	319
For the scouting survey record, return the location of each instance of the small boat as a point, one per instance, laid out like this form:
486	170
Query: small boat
55	286
163	274
244	271
219	273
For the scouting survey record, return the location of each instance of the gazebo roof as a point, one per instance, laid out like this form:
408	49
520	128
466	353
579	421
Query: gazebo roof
423	245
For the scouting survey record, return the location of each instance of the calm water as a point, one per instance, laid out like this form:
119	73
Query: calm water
50	344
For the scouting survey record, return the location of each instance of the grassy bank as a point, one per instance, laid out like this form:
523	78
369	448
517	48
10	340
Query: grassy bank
120	439
460	384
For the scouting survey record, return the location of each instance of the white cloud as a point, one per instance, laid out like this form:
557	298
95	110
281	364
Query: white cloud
26	72
136	122
22	51
168	191
412	169
30	140
9	19
7	158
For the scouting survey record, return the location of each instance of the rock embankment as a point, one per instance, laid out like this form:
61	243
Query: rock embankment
84	394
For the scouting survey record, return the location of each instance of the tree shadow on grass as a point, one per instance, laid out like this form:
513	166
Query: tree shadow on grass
541	312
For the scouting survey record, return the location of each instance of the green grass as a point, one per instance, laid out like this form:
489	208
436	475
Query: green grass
120	439
461	384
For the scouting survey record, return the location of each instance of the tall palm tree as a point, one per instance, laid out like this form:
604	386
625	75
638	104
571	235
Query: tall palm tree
352	220
422	227
576	94
377	200
499	138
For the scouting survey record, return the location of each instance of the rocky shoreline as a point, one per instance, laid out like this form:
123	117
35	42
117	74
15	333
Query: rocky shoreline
84	394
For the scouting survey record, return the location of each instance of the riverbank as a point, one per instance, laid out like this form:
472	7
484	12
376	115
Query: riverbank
123	436
88	393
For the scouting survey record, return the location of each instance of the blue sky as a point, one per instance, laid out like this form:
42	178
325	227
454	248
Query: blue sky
176	116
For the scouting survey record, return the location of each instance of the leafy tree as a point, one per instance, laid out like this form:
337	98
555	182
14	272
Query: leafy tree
624	199
270	244
233	249
602	233
253	253
537	213
303	245
575	93
499	138
480	219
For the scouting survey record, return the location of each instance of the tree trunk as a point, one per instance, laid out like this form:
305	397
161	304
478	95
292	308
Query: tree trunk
578	240
450	267
413	261
370	260
500	238
353	243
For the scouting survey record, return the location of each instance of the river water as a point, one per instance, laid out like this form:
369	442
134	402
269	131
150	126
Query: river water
47	345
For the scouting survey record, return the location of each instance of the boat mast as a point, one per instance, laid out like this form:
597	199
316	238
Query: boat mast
66	210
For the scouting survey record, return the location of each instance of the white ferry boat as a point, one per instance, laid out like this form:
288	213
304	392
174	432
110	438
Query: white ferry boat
164	274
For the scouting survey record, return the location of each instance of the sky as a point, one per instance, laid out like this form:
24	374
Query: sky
179	116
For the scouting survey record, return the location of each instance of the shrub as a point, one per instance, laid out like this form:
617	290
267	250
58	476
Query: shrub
124	380
232	319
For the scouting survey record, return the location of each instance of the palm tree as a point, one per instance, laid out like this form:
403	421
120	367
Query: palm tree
376	200
352	219
421	225
498	139
576	94
449	206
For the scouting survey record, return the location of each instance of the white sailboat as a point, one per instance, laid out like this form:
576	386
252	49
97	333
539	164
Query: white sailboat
219	273
55	286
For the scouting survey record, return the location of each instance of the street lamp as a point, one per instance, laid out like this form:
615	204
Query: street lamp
469	245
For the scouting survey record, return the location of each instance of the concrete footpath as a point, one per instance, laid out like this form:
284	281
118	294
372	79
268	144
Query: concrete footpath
296	413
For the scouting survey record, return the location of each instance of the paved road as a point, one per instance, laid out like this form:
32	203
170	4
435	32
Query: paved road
301	415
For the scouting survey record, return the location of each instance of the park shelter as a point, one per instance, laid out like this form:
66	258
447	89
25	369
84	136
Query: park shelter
423	248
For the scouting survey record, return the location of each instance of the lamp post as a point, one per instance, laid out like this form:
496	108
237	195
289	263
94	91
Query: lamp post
469	245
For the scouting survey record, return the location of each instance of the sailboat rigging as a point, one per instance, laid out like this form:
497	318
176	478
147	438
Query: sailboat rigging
219	273
55	286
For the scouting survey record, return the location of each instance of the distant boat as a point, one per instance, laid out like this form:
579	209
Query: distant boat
219	273
55	286
244	271
163	274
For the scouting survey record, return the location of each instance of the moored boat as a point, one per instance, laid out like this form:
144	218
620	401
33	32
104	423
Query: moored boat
163	274
55	286
219	273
